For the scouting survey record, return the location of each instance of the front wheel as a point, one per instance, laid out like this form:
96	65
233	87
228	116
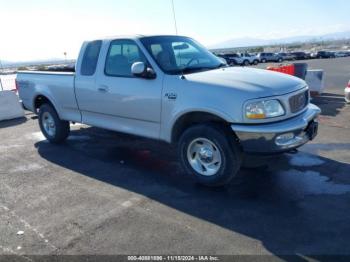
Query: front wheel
210	154
53	128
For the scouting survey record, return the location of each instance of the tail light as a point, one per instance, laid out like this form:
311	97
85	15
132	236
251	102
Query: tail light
16	85
348	85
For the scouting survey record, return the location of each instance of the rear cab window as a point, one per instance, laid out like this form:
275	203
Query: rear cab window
90	58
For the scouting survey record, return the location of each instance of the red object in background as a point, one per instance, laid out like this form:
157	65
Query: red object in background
286	69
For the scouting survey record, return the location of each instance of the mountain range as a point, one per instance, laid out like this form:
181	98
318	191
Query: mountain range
249	41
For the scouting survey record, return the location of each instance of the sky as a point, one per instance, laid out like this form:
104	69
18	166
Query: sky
41	29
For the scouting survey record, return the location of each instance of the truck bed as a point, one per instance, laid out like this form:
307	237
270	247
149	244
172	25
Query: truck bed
58	87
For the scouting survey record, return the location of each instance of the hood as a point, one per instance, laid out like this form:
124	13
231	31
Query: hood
254	83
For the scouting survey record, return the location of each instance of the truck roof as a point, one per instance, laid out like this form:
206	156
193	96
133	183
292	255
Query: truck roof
135	36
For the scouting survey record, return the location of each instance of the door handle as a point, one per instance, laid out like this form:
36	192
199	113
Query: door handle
103	89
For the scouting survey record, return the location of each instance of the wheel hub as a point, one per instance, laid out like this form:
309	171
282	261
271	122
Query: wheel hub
204	156
49	124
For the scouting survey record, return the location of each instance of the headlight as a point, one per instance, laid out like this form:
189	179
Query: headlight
264	109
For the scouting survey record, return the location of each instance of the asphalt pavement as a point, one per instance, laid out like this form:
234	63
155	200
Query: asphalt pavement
107	193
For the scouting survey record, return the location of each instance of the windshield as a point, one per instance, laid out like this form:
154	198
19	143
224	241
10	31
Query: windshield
180	55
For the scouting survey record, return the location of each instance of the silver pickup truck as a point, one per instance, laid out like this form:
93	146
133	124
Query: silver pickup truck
171	88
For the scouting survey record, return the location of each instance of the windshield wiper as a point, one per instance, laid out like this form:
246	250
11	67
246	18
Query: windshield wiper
221	65
188	70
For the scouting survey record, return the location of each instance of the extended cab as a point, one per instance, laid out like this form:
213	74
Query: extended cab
171	88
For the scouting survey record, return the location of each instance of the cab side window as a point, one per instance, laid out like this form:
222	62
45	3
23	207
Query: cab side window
121	55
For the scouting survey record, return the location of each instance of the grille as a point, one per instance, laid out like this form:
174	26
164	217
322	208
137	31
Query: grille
299	101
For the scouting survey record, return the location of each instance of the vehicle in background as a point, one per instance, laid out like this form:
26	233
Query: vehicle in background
332	54
287	56
239	59
171	89
235	59
313	55
347	93
342	53
249	59
223	60
269	57
308	55
323	54
300	55
61	68
231	59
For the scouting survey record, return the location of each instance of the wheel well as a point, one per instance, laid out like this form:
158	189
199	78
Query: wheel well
194	118
39	101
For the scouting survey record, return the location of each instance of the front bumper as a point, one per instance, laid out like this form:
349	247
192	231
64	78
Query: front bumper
278	137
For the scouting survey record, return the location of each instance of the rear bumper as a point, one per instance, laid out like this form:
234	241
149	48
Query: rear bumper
281	136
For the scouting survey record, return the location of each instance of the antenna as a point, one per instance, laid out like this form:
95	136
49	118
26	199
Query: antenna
174	15
172	3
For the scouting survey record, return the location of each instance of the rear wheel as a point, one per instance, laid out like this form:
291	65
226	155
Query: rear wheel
246	63
53	128
263	60
255	62
210	154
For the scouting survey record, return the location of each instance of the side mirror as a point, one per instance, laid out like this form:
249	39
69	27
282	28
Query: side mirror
140	69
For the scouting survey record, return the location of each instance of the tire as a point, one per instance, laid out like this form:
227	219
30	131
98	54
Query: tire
263	61
255	62
197	139
280	60
246	63
53	128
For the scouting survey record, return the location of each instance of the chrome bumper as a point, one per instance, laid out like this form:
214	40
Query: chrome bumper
281	136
